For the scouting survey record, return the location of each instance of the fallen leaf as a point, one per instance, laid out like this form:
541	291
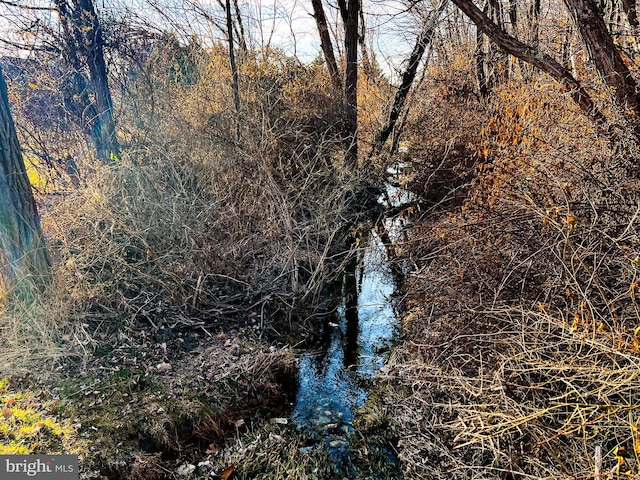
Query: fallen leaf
163	367
185	470
227	472
276	438
213	448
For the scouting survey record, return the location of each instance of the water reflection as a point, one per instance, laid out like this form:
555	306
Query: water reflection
354	338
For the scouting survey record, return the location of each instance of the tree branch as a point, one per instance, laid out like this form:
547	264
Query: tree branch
409	75
535	57
26	7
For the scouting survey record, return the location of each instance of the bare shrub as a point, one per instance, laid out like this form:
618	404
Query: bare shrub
521	348
189	222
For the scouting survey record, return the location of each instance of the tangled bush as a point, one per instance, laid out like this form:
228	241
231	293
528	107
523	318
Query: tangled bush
522	344
194	222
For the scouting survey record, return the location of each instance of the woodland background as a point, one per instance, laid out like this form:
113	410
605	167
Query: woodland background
198	188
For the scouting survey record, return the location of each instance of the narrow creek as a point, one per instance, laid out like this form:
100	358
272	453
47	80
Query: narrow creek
353	342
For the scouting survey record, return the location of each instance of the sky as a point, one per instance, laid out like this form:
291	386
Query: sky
286	24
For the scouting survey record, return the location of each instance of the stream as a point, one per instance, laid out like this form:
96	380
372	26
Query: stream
353	342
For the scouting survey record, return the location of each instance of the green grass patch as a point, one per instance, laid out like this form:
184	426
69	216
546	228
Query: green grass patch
28	425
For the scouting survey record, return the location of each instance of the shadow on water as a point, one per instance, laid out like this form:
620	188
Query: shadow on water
351	349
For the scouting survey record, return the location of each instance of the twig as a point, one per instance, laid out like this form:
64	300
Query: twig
597	475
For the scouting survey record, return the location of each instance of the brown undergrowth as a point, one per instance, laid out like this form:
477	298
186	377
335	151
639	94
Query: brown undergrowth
180	268
521	348
191	223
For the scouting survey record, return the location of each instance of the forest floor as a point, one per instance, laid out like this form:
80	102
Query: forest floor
182	402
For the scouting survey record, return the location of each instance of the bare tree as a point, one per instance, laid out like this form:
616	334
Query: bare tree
325	43
603	52
24	261
535	57
629	7
408	77
480	58
75	34
84	46
350	12
234	67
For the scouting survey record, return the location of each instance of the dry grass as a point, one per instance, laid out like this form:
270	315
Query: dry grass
274	452
41	336
525	396
190	238
520	350
190	223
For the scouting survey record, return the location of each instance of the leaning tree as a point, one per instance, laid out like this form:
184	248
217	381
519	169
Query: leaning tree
24	262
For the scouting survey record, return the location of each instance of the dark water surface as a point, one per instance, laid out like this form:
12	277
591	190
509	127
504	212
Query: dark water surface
355	337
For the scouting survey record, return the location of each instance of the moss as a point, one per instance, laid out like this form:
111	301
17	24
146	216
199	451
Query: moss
374	444
117	415
28	424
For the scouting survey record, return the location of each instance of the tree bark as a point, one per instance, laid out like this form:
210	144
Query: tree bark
535	57
629	7
83	47
242	39
367	67
234	68
89	38
75	92
24	261
326	44
604	54
350	12
480	60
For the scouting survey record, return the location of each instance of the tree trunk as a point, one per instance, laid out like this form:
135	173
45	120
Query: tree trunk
242	39
24	262
325	43
604	54
535	57
629	7
76	91
350	13
497	66
83	38
234	68
479	54
367	67
89	38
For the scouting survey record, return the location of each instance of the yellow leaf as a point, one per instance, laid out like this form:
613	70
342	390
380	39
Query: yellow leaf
574	327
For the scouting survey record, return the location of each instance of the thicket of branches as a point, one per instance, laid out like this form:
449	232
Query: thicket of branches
229	196
212	226
520	345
